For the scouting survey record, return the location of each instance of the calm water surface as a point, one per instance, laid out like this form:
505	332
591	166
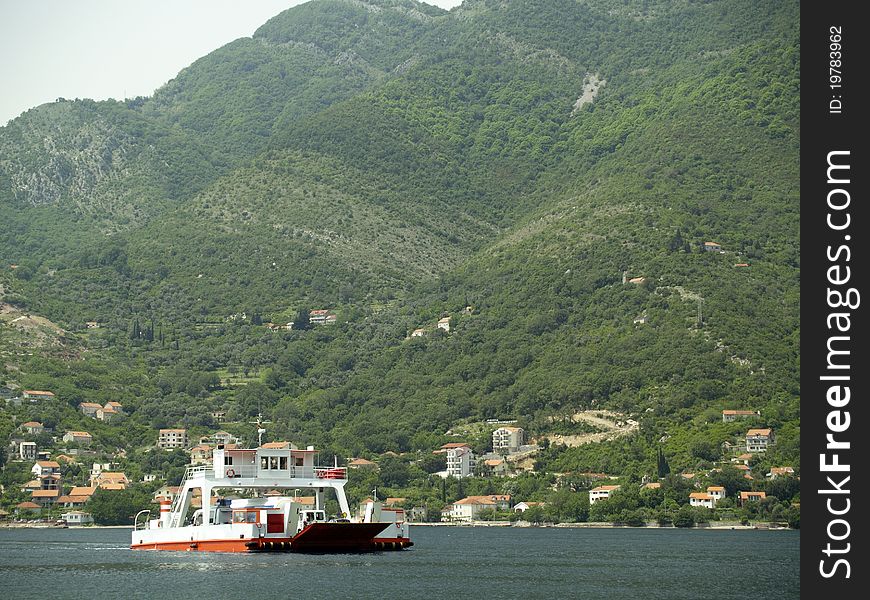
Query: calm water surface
446	562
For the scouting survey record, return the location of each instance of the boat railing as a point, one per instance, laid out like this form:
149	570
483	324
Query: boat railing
196	471
144	524
251	471
330	472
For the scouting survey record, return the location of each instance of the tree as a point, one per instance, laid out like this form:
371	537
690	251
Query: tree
663	467
302	321
117	507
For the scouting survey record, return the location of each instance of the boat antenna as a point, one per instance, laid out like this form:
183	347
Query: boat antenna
260	430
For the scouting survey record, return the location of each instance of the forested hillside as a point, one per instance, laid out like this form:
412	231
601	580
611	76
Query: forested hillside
546	174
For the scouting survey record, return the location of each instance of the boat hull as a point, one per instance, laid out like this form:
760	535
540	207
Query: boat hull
317	537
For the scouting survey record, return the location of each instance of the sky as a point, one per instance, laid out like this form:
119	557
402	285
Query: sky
117	49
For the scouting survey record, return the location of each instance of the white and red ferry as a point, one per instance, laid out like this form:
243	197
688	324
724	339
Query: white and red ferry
267	523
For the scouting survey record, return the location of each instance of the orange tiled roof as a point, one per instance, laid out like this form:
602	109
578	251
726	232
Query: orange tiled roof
758	432
45	493
276	445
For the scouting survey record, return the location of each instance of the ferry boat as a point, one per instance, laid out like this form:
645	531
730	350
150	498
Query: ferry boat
264	523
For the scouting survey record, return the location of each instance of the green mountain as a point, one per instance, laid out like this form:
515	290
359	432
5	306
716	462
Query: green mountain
398	163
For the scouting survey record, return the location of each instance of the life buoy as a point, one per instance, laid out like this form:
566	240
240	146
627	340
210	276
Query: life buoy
231	473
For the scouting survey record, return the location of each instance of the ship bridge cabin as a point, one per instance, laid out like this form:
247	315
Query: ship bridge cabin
275	465
271	461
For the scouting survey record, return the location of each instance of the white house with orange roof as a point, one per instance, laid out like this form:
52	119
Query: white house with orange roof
106	414
751	497
469	509
757	440
780	472
712	247
45	467
36	395
109	480
521	507
701	499
32	427
717	492
602	492
443	324
201	455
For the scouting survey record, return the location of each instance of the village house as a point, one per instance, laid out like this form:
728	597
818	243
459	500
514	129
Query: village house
653	485
637	280
418	332
89	409
106	414
78	437
77	517
780	472
169	439
92	324
45	498
717	492
219	438
77	497
507	439
97	468
469	509
712	247
522	507
32	427
36	395
602	492
166	492
361	463
444	324
757	440
45	467
751	497
108	480
116	406
27	450
201	455
320	317
460	460
496	466
729	416
702	499
22	508
742	458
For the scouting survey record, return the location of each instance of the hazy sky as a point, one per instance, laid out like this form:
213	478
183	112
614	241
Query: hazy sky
114	48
